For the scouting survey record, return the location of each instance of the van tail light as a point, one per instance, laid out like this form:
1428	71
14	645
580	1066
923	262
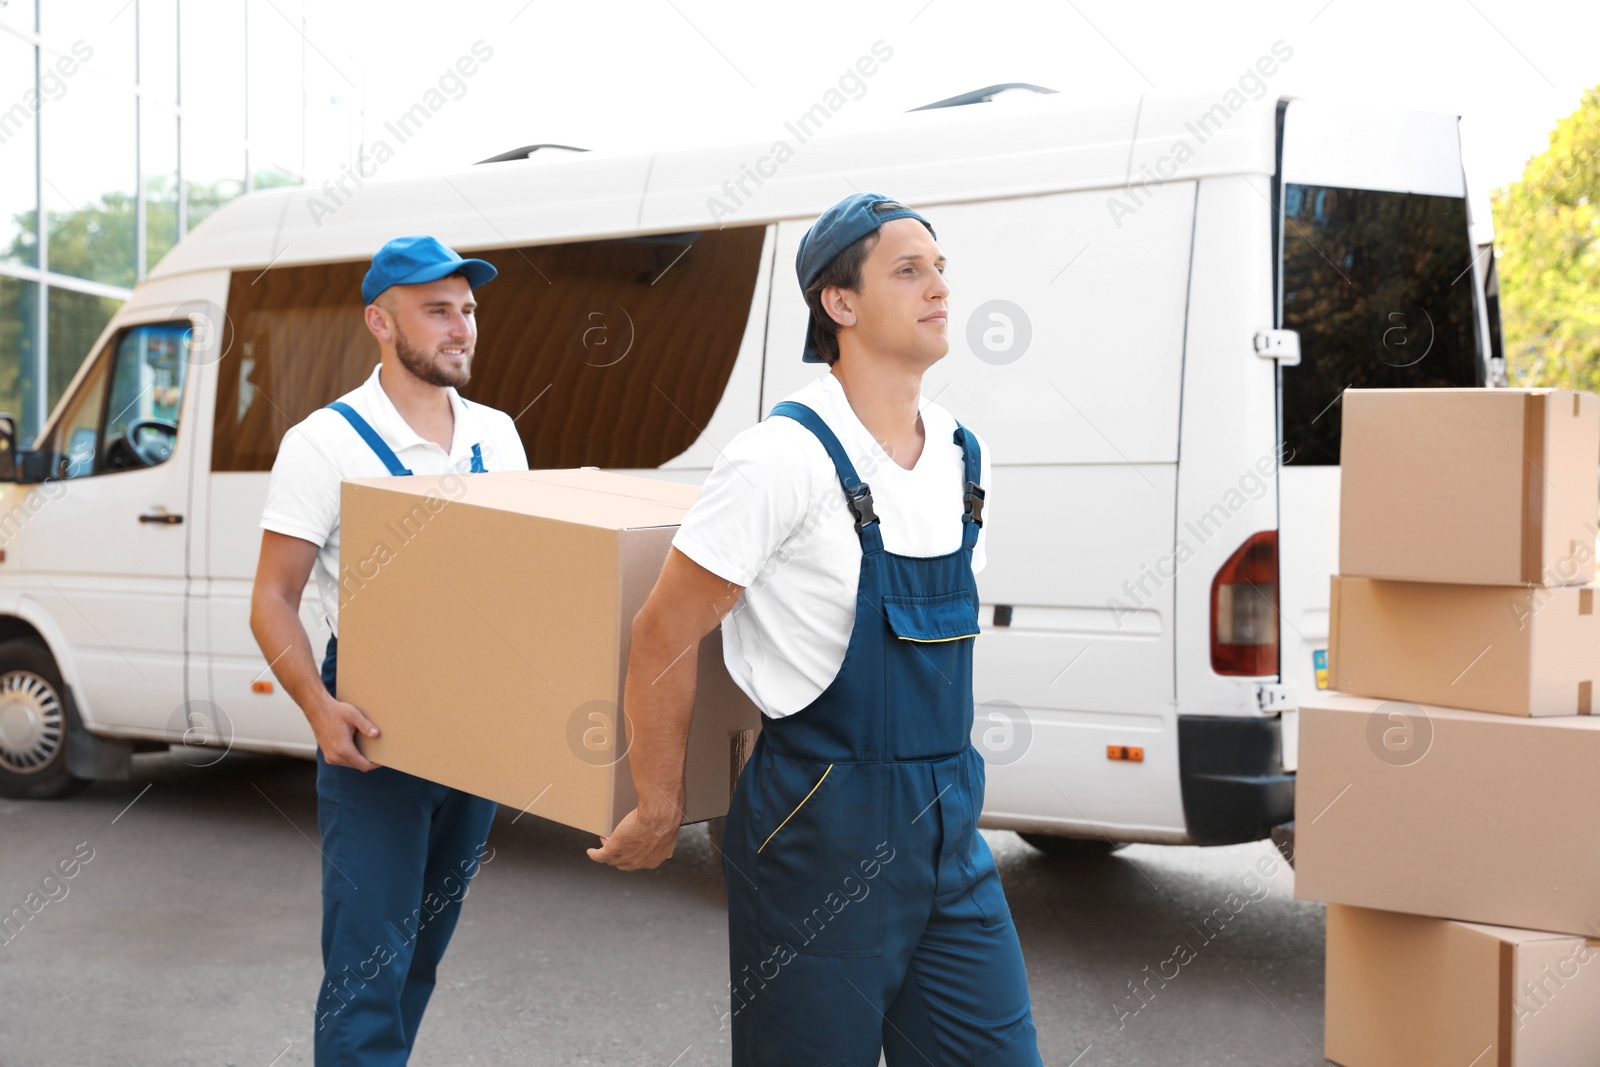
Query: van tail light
1244	609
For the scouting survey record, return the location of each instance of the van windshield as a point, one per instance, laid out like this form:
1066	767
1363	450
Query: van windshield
1379	286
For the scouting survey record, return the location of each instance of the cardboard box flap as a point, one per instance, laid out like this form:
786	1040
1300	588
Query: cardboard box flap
1515	935
584	497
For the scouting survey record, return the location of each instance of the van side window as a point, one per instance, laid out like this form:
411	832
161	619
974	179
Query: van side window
71	447
124	414
607	353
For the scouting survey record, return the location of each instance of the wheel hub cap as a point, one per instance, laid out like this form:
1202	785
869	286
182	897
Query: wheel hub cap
31	723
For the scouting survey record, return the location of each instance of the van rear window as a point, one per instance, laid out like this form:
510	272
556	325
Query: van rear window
614	353
1380	288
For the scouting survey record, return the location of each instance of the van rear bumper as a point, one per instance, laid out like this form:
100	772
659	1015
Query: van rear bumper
1234	785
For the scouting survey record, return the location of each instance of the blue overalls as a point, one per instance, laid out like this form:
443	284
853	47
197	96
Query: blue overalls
397	855
864	910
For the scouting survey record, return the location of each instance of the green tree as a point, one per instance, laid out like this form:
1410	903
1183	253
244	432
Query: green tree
1548	229
95	242
17	313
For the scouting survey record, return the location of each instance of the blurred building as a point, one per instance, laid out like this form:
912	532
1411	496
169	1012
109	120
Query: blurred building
123	124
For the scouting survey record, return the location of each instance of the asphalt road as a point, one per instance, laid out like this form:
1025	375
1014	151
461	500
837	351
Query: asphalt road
191	937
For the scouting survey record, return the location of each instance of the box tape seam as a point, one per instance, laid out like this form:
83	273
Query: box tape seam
1532	487
1508	999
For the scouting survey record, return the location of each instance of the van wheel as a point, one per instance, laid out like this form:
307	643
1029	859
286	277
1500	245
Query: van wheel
1073	848
35	724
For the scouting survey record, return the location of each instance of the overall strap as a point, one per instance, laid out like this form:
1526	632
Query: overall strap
477	450
857	494
370	436
972	492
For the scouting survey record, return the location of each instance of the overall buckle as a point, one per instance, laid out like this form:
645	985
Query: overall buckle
860	501
972	510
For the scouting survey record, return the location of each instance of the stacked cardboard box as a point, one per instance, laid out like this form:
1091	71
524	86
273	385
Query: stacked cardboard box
1414	990
1448	805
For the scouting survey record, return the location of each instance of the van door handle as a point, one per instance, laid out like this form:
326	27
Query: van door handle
162	516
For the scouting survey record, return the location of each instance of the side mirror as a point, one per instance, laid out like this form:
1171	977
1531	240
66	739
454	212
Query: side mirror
27	468
33	468
8	448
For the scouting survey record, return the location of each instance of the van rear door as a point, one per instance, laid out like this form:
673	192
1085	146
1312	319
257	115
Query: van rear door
1375	274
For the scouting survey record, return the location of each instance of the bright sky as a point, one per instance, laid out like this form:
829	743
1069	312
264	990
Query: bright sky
642	74
648	73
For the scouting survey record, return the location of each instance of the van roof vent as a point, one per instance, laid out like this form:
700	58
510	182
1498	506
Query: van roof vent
983	96
527	151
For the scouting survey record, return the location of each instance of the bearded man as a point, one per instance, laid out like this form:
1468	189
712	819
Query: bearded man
397	851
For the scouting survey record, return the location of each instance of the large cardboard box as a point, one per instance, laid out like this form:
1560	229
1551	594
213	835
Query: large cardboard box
1415	991
1439	811
484	625
1480	486
1515	650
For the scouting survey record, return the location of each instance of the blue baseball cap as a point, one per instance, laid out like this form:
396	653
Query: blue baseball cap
839	227
417	259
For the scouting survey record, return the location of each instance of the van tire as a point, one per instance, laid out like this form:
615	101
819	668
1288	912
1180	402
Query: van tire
37	721
1078	849
1283	841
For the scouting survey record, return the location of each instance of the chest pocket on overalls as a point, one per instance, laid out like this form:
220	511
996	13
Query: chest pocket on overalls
822	849
929	666
931	620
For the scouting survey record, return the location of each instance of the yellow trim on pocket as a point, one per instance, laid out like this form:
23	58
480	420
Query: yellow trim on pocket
935	640
797	807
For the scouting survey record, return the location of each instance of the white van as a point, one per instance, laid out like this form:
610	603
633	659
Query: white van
1156	305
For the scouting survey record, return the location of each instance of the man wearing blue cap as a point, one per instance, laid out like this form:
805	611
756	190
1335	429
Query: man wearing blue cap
397	852
865	915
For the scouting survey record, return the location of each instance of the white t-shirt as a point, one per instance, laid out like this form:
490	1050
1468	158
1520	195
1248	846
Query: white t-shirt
772	518
324	450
